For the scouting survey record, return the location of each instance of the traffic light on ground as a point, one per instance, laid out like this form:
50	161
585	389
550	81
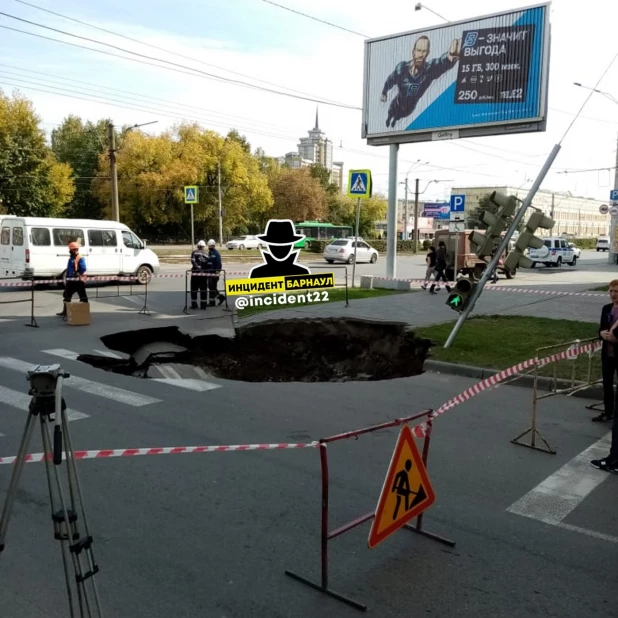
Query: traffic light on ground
459	298
483	242
527	239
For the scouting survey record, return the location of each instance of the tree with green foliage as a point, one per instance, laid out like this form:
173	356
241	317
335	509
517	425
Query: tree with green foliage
298	196
81	144
320	173
342	211
32	181
152	171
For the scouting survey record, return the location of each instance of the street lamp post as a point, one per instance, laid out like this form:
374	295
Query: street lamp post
612	257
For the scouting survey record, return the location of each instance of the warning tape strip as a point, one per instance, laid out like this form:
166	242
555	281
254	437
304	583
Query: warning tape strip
420	431
168	450
116	278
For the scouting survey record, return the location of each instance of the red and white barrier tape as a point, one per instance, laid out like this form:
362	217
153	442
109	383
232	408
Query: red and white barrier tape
168	450
21	283
420	430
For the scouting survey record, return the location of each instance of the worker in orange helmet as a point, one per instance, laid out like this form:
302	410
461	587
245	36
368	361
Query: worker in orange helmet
75	279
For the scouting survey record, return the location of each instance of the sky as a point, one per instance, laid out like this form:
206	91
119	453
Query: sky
255	42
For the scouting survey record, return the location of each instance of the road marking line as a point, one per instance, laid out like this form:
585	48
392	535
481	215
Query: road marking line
552	500
114	393
21	401
189	383
593	533
109	354
62	353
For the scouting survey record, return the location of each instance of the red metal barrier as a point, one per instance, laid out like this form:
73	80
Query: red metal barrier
327	536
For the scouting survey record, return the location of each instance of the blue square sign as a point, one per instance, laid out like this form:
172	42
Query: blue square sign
613	195
458	203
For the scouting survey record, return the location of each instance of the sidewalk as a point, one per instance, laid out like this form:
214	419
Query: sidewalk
424	309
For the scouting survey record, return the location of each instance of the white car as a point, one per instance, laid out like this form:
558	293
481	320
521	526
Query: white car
603	243
554	252
576	250
342	250
245	242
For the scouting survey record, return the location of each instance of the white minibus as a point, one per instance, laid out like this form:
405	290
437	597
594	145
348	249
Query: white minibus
38	247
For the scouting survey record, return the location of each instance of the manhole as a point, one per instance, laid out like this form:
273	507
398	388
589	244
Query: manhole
298	350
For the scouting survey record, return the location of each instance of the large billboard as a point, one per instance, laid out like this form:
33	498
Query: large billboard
481	76
437	210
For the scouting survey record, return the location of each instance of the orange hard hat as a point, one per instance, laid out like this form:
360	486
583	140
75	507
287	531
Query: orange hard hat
73	246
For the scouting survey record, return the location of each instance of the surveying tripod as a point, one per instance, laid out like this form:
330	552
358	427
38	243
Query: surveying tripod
48	404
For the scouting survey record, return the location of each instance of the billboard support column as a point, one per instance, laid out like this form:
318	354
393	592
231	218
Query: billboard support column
503	245
391	218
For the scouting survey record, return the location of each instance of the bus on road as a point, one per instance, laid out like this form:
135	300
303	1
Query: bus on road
317	230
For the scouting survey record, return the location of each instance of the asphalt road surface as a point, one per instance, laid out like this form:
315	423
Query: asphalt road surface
211	534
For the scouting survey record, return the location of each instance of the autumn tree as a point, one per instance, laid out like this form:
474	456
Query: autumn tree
342	211
152	171
80	145
32	181
298	196
323	175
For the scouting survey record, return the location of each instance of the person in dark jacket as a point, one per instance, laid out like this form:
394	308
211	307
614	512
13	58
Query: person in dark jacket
430	260
214	268
199	282
608	332
76	278
440	268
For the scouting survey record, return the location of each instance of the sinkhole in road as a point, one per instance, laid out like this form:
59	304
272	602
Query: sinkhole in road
297	350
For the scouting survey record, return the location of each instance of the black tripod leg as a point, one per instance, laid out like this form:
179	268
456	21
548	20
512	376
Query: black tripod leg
15	477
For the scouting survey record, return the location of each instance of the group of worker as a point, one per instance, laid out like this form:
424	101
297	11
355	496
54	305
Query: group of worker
205	269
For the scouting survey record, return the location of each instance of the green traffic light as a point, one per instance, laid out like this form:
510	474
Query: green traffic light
456	301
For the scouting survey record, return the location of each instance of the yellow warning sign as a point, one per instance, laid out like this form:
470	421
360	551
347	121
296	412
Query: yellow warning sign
406	493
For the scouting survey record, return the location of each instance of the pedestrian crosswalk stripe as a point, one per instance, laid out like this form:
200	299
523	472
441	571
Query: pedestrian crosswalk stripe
21	401
188	383
62	353
91	387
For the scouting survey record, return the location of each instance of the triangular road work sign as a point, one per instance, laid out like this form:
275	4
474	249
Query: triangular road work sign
406	493
358	185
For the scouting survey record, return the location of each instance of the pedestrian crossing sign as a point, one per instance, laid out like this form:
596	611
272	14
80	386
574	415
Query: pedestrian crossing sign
359	184
191	195
406	493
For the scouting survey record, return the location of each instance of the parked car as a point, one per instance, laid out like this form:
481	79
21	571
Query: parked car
245	242
576	250
342	250
603	243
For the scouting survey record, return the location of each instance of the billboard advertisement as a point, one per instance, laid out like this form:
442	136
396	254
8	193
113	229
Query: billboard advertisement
481	76
437	210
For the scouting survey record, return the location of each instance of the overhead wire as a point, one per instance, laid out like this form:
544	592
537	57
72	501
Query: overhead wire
175	66
163	49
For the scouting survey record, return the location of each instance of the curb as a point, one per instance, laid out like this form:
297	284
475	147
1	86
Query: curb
527	381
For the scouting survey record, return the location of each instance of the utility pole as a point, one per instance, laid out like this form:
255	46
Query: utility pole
416	217
553	195
405	215
220	208
111	136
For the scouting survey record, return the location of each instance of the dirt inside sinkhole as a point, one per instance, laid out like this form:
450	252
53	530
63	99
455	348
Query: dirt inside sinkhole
297	350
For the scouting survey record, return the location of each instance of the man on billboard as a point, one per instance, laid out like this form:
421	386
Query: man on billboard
414	77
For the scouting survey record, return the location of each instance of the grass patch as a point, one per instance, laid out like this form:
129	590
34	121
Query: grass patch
334	295
601	288
498	342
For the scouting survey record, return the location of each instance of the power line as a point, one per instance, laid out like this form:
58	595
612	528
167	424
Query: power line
195	73
164	101
322	21
168	51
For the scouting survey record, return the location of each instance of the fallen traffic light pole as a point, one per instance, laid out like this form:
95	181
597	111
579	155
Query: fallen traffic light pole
478	289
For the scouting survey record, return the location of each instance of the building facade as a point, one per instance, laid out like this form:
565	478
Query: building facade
574	216
316	148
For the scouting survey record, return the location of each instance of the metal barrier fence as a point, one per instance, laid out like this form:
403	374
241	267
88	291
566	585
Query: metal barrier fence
326	536
31	284
189	274
556	358
30	300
